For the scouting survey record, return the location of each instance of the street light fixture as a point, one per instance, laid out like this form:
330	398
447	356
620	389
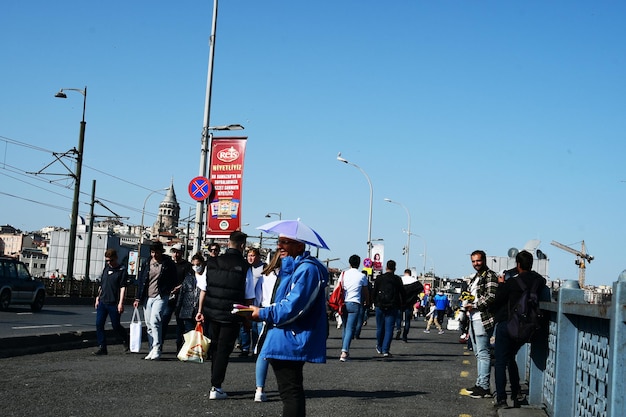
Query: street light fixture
279	214
207	138
424	254
369	224
71	250
408	232
141	234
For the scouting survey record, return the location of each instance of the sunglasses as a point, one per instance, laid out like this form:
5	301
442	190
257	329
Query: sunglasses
287	242
214	250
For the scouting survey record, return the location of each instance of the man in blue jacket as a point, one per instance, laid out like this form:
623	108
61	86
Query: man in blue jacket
300	325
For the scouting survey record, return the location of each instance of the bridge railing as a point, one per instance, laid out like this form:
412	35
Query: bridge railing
576	368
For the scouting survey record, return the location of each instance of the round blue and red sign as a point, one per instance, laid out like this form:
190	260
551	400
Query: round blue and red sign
200	188
367	262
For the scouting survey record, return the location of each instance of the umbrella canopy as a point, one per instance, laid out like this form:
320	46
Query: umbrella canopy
296	230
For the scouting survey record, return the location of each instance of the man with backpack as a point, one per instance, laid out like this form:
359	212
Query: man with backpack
517	316
389	295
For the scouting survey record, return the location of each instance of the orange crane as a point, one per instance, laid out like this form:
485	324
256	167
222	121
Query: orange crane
581	257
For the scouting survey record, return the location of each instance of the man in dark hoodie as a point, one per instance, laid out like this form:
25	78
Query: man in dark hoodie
507	294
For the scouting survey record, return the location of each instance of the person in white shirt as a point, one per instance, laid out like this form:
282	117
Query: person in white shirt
249	332
356	292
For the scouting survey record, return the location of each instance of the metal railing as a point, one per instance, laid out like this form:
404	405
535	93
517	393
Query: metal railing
577	367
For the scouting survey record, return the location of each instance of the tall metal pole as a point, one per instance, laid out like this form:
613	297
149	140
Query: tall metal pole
71	250
408	231
143	212
90	234
199	229
369	224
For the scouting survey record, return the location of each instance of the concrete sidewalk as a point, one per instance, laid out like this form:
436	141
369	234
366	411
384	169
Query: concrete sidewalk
423	377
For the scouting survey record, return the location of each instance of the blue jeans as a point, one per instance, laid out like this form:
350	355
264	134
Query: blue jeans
361	318
248	337
483	356
405	315
101	317
505	353
350	318
153	316
385	320
262	365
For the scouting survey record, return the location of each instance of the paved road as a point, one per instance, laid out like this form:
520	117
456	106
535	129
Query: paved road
422	378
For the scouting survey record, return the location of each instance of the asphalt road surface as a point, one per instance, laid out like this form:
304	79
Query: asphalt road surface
423	378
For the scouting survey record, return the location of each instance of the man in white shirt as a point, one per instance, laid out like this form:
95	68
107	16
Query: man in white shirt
413	288
356	292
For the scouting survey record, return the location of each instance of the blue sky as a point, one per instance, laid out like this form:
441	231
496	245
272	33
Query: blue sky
493	122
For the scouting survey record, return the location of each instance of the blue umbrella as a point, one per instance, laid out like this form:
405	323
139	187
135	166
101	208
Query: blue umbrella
296	230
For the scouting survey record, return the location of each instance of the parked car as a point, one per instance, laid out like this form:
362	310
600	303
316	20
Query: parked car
17	286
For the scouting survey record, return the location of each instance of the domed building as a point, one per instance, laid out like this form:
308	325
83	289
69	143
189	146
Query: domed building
169	213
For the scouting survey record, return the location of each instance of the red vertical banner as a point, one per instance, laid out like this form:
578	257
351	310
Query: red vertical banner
226	176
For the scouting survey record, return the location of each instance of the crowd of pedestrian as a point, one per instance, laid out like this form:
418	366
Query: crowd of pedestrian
286	322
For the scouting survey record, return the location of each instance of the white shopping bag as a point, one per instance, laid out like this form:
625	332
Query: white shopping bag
135	332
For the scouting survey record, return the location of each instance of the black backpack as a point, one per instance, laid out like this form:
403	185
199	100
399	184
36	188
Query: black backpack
386	297
525	316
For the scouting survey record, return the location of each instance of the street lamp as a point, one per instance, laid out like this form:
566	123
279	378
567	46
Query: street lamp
369	224
424	254
408	231
207	138
143	212
71	250
279	214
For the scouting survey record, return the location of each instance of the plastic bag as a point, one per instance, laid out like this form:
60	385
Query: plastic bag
196	346
135	332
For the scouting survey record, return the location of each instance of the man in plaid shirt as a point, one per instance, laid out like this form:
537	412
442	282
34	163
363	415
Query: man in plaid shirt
483	287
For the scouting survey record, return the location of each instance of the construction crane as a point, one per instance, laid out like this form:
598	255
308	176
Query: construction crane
581	257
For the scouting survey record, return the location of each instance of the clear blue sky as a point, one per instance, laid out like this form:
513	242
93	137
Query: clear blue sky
493	122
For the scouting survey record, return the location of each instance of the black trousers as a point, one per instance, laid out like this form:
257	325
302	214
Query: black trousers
223	340
289	378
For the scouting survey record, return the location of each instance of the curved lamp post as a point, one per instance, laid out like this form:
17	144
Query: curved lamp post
369	224
424	254
71	250
408	231
141	234
279	214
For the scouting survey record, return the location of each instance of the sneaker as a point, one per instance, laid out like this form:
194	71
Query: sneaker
441	331
500	404
398	335
344	357
156	356
149	355
378	350
244	353
101	351
519	400
426	331
259	397
218	394
387	355
480	392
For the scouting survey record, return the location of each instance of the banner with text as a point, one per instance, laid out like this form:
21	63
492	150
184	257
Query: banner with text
226	175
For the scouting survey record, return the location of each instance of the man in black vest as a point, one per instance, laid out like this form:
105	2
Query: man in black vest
225	285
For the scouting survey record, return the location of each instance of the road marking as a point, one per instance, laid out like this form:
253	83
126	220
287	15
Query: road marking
47	326
466	362
24	313
464	374
465	415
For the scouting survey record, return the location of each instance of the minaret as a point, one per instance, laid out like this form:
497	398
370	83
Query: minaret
169	212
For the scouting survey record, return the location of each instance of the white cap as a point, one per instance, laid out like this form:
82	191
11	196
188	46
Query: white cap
177	247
